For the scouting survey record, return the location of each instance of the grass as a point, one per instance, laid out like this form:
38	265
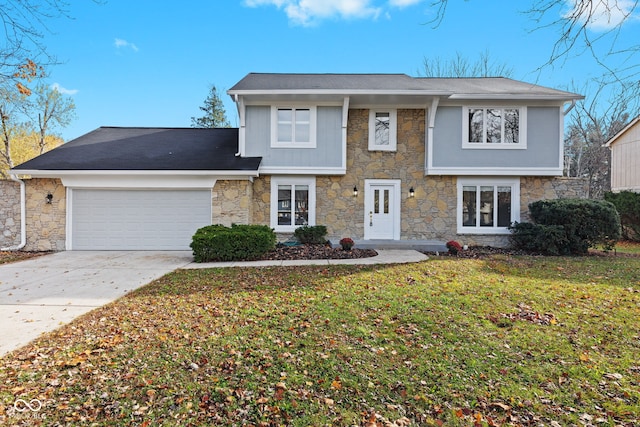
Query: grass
505	340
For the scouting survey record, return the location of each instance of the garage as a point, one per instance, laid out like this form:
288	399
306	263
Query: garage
137	219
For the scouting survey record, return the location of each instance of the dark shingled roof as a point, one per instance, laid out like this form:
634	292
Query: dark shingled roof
141	149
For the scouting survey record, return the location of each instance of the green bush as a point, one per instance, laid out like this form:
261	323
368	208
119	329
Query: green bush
586	223
235	243
311	234
537	238
628	205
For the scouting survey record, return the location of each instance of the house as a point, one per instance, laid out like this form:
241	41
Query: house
625	158
375	157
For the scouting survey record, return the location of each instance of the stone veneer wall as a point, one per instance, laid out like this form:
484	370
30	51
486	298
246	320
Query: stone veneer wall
45	222
426	216
430	215
9	213
231	202
532	189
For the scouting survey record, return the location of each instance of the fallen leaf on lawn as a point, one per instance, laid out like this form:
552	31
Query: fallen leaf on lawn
500	406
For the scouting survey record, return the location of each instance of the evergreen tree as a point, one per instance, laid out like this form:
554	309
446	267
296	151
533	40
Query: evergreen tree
214	113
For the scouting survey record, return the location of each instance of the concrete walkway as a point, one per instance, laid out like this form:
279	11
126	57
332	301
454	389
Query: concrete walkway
40	294
385	256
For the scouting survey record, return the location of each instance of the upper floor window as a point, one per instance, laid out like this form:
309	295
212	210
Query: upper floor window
487	206
382	130
293	127
494	127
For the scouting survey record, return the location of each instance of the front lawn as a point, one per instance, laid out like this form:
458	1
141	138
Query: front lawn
504	340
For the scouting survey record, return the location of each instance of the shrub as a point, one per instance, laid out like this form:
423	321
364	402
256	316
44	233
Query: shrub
628	205
537	238
346	243
585	223
453	247
235	243
311	234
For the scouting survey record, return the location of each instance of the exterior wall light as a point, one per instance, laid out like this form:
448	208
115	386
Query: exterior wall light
355	191
412	192
49	198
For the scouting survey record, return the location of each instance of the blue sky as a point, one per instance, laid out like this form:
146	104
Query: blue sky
150	63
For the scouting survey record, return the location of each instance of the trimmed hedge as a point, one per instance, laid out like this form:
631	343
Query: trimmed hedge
311	234
537	238
568	226
235	243
628	205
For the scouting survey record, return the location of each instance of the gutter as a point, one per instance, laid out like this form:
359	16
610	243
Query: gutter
23	228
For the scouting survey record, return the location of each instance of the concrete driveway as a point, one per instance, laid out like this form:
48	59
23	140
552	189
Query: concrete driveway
40	294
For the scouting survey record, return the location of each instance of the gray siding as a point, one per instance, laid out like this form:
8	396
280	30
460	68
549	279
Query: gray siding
543	125
328	151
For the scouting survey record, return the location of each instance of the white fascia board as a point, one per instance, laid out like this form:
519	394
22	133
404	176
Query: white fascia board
345	92
156	173
275	170
138	181
512	96
494	171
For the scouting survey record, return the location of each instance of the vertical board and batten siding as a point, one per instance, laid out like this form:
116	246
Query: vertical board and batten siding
543	142
625	161
328	151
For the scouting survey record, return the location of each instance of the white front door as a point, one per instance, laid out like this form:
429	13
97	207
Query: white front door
382	209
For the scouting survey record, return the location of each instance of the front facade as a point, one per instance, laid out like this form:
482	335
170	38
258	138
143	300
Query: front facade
372	157
625	158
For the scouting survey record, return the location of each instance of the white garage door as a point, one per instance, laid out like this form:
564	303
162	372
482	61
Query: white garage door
137	219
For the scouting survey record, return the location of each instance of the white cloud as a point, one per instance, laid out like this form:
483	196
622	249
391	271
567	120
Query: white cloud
121	43
601	15
403	3
63	90
308	12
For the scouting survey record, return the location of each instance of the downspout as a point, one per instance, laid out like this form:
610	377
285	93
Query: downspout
570	107
241	131
23	228
431	124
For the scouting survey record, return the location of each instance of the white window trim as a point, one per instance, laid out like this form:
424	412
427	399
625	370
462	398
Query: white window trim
294	144
275	182
393	129
522	130
514	183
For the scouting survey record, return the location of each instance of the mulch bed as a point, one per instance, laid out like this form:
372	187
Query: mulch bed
302	252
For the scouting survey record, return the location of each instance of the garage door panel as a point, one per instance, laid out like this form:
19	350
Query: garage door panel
138	219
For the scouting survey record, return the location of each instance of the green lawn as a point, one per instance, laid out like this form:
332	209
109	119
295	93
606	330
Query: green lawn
517	341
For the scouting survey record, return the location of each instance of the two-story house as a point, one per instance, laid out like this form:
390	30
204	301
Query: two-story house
374	157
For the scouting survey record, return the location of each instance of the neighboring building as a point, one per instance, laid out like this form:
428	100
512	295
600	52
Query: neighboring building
373	157
625	158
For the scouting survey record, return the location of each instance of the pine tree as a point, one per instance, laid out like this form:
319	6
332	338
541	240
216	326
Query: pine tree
215	115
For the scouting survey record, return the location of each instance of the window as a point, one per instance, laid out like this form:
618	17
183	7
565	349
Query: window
487	206
382	130
293	127
293	203
494	127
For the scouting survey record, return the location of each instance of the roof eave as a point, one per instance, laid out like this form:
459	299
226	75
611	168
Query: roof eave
514	96
43	173
342	92
615	137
